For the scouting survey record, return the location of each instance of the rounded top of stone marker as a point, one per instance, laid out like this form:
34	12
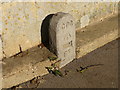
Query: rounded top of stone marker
62	14
60	18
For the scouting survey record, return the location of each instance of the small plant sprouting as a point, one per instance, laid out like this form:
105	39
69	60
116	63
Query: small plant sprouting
54	69
52	58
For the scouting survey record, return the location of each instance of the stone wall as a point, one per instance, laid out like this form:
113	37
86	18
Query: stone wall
1	50
1	34
21	21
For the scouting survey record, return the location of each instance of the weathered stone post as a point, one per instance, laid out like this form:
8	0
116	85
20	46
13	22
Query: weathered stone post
62	37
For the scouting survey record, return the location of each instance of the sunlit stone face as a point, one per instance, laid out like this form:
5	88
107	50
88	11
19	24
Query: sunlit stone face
62	37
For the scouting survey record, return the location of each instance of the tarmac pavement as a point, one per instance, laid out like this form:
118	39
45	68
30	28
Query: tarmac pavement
104	75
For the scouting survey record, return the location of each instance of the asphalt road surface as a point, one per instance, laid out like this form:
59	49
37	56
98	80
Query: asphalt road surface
104	75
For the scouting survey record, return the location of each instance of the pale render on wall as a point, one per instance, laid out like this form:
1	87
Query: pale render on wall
22	20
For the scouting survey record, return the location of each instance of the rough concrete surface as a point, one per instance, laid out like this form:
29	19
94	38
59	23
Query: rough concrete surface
96	35
24	66
103	76
62	37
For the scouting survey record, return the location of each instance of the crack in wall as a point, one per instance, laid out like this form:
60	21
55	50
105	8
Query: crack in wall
20	51
3	52
20	48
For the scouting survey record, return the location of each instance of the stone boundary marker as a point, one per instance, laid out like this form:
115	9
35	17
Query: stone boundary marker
62	37
33	64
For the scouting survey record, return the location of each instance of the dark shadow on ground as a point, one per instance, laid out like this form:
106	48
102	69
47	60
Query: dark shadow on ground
45	30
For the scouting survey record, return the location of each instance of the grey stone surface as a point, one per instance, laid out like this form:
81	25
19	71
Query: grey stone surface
62	37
